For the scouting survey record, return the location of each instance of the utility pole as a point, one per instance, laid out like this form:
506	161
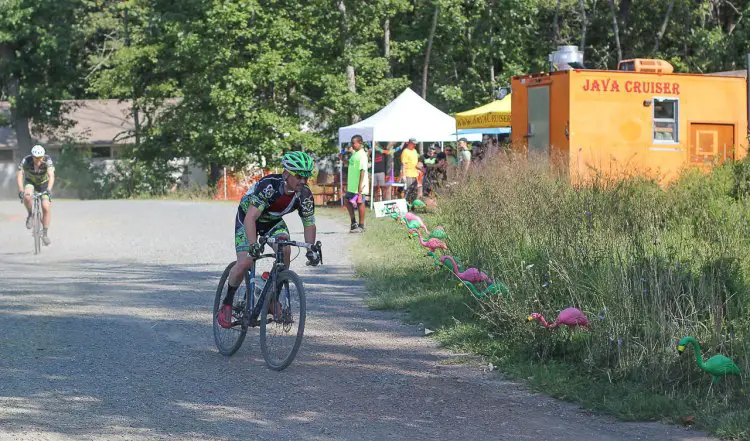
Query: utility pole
136	120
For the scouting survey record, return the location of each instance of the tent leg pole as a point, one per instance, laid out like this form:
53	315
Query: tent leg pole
341	180
372	177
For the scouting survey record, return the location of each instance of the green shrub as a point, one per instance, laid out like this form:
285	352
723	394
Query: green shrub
78	176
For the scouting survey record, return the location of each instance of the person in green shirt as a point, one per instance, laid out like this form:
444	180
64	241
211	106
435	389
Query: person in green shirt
356	185
451	164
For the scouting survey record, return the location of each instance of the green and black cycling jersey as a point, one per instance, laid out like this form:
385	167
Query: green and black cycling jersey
268	197
33	175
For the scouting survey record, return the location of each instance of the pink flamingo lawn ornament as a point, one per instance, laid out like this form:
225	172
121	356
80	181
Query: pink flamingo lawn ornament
472	275
432	244
570	317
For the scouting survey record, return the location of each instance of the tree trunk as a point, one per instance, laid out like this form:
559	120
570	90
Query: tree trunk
556	25
135	110
429	51
20	122
663	28
351	78
584	24
387	46
729	18
387	38
615	29
624	13
491	20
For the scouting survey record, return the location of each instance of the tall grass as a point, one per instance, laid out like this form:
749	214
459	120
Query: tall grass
648	265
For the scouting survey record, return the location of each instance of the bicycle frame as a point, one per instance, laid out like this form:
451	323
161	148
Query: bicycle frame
278	265
36	214
278	257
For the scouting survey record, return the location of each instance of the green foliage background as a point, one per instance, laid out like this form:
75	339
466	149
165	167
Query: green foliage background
241	69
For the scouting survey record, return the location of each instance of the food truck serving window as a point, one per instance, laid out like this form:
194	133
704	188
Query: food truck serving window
665	120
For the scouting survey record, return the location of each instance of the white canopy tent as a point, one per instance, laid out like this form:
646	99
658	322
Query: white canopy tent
407	116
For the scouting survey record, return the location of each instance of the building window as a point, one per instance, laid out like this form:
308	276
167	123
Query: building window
101	152
666	111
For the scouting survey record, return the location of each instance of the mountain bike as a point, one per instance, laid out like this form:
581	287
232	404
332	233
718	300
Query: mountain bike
36	220
279	308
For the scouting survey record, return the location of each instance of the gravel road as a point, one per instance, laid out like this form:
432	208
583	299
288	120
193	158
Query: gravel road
107	335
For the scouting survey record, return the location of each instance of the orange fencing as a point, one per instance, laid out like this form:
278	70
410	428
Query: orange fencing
233	186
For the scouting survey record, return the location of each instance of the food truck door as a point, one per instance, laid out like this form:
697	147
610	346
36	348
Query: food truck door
538	130
711	143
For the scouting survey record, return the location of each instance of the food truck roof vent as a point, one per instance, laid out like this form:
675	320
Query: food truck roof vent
645	65
566	58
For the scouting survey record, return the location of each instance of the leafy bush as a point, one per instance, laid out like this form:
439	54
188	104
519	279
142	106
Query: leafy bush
78	176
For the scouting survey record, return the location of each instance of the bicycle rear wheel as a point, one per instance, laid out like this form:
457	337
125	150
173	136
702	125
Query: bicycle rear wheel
229	340
36	219
281	337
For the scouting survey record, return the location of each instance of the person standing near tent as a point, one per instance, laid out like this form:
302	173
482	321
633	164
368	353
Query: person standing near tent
410	165
382	189
451	164
464	155
356	185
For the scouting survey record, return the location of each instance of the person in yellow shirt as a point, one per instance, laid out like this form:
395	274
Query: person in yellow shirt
410	166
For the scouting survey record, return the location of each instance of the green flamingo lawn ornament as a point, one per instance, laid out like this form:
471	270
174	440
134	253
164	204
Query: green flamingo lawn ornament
492	289
417	204
436	233
717	366
435	260
415	225
439	264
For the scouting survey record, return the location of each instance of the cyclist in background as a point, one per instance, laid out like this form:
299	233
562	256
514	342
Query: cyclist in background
260	213
36	173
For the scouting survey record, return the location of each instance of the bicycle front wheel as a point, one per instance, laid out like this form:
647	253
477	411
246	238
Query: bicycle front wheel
281	335
36	218
229	340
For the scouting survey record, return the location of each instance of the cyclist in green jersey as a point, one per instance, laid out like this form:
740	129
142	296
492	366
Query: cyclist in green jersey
36	173
261	212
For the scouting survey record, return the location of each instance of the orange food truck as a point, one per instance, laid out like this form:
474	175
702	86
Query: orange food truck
640	119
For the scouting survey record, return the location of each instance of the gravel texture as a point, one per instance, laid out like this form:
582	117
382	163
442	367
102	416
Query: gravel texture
107	335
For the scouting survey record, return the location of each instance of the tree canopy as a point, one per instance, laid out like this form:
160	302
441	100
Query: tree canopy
242	69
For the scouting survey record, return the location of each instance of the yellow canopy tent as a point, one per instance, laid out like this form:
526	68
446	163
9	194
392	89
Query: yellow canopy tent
494	114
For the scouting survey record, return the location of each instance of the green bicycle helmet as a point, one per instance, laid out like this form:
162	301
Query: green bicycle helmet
299	163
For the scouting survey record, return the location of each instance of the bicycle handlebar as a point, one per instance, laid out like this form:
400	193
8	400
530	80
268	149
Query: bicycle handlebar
35	195
315	247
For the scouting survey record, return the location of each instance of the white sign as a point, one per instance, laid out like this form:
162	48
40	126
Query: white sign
385	208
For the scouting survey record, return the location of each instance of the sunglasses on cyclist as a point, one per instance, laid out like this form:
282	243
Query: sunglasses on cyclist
300	175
